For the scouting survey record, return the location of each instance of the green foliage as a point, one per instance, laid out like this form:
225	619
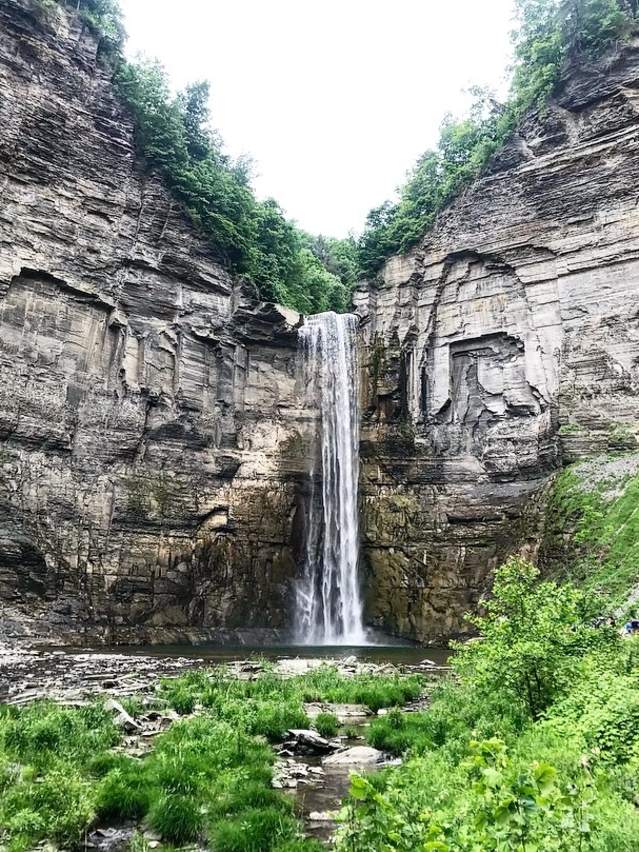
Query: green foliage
177	818
256	830
104	17
550	33
485	768
533	637
181	700
270	704
326	724
124	792
592	533
46	788
208	778
252	237
398	732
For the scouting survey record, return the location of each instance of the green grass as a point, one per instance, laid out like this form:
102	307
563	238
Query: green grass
47	784
326	724
270	704
178	818
207	779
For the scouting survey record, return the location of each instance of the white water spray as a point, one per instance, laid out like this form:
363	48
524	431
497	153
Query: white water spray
329	604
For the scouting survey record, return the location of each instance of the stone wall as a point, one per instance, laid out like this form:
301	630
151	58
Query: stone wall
505	344
151	447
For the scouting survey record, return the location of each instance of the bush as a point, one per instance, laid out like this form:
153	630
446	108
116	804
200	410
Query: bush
533	638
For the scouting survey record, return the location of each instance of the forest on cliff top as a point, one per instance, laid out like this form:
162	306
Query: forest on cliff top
313	273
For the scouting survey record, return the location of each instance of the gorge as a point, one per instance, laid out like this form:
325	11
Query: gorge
155	439
281	465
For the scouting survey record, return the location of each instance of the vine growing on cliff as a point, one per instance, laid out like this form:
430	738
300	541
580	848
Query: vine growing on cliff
550	34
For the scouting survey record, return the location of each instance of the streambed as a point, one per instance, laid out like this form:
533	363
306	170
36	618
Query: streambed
75	677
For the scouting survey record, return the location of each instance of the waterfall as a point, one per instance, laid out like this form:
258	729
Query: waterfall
329	605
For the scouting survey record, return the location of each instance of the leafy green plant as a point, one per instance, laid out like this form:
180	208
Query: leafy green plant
533	636
550	33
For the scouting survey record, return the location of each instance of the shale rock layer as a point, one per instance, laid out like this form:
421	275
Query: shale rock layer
150	444
505	343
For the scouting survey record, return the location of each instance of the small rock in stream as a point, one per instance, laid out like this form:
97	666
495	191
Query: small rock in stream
322	816
300	741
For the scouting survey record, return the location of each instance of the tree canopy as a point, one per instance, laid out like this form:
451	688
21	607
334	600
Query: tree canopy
251	237
254	238
550	33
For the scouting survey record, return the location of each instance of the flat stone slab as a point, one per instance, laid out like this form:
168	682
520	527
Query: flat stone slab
344	712
355	756
300	741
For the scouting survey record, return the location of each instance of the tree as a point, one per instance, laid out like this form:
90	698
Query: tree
550	33
532	637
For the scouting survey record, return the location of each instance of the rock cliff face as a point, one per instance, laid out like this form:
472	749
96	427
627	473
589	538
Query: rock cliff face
152	447
505	343
150	443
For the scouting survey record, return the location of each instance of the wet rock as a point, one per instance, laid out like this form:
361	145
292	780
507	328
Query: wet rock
163	429
355	756
345	712
109	839
301	741
322	816
122	718
289	773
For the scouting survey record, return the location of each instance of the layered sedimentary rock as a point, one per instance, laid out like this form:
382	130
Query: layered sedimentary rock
505	343
152	445
150	441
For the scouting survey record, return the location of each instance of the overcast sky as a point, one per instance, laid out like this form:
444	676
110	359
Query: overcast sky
333	100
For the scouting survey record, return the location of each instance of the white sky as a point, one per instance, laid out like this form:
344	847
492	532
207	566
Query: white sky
334	100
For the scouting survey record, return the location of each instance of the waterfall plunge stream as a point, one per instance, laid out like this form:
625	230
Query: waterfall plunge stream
328	599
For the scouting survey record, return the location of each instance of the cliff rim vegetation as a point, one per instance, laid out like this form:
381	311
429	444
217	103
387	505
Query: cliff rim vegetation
174	136
551	35
253	238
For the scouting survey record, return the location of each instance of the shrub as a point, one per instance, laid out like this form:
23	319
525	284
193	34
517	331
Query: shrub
533	637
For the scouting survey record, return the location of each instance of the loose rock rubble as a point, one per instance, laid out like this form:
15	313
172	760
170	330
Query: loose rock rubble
289	773
27	674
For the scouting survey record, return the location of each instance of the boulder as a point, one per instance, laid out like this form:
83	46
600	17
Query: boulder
301	741
355	756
